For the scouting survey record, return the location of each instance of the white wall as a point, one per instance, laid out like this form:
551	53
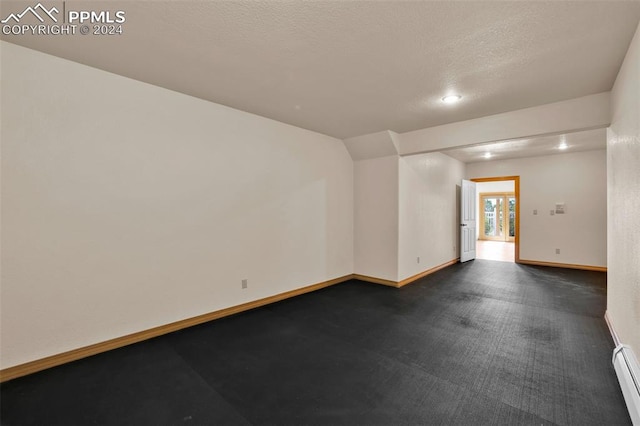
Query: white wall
126	206
578	180
623	164
497	186
428	208
376	217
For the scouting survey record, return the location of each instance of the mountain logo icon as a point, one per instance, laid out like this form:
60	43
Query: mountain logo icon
38	11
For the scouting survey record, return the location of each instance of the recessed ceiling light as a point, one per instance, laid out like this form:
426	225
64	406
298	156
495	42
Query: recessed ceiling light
451	99
563	146
487	155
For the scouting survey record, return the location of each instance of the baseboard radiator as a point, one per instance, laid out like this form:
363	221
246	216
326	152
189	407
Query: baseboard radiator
628	372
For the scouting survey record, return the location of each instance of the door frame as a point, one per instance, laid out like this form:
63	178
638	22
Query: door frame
516	190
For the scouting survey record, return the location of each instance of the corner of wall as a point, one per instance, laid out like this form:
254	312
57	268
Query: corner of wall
623	175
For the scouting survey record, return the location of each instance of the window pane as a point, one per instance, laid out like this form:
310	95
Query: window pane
512	217
492	217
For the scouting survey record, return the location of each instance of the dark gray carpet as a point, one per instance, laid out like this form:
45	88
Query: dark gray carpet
477	343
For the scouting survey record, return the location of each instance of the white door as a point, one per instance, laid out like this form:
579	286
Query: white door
467	221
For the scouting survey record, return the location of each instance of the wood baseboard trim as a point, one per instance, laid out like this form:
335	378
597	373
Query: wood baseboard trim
375	280
563	265
427	272
614	335
399	284
76	354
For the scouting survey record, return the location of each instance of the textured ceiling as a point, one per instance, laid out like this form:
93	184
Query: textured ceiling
548	145
350	68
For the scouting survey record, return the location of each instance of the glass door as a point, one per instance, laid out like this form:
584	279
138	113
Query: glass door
497	216
511	200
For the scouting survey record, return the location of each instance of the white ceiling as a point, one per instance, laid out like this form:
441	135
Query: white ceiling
532	147
347	68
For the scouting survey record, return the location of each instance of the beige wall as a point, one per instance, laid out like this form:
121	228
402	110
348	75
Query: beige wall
126	206
428	222
376	217
405	208
623	183
577	179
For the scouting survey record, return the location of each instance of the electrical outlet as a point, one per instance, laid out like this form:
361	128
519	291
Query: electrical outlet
245	283
535	212
418	259
557	251
552	212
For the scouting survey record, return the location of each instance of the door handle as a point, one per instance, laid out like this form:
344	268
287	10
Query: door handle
463	224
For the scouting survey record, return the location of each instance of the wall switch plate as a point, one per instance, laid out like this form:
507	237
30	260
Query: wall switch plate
245	283
535	212
552	212
418	259
557	251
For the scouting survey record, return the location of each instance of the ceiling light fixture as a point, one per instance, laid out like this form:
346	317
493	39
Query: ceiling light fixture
563	145
451	99
487	155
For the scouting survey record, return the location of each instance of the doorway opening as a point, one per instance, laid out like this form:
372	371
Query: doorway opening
498	212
